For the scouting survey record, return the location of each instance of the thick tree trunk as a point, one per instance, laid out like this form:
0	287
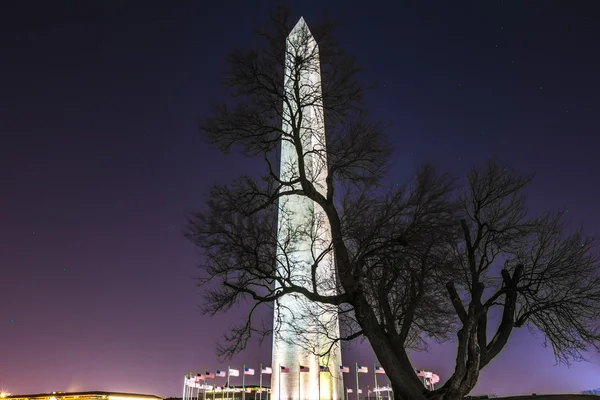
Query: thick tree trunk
507	323
405	383
468	354
474	353
465	378
465	371
393	359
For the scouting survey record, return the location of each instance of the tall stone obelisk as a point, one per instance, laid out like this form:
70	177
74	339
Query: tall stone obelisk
304	329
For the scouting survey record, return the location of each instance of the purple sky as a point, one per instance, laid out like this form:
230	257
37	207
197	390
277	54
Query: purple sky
100	158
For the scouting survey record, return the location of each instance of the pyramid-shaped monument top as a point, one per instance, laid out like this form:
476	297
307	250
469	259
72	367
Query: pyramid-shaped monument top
301	26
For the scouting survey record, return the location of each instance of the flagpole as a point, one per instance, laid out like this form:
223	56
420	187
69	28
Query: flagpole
299	379
192	387
228	387
244	382
203	387
199	386
260	382
190	393
357	388
376	387
214	383
188	388
204	396
184	386
319	372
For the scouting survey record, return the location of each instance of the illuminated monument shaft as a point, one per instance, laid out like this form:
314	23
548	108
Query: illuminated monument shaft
303	328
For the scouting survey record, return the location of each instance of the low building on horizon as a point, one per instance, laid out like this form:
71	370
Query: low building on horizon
90	395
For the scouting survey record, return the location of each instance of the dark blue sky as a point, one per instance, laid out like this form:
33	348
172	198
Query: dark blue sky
100	158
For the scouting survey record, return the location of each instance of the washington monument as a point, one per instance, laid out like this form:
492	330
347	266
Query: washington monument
303	330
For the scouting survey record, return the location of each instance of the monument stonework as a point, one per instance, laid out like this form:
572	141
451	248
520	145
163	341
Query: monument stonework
300	324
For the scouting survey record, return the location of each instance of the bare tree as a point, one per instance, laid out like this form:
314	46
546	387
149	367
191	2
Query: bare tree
389	246
412	264
549	280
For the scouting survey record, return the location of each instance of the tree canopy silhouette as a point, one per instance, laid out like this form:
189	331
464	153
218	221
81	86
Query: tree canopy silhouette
424	261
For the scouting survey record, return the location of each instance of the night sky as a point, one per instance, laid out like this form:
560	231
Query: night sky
100	159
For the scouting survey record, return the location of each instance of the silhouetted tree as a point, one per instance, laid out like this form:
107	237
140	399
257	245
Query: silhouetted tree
385	289
414	263
532	269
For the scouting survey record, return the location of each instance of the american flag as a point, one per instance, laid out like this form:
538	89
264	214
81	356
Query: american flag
266	370
234	372
248	371
423	373
284	370
323	368
209	375
344	370
361	369
379	370
349	390
220	373
303	369
199	377
359	390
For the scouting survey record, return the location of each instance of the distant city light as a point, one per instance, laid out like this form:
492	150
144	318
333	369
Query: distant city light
125	398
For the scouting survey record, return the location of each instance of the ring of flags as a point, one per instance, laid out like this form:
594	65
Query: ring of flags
199	381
